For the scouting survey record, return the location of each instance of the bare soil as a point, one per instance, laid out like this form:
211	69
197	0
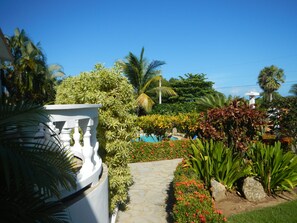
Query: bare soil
234	203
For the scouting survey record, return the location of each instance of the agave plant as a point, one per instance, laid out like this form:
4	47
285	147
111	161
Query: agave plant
276	169
213	160
32	171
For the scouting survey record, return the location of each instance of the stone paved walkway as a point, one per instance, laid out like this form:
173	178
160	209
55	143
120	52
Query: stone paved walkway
149	192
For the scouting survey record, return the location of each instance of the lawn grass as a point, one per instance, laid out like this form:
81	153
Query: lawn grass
285	212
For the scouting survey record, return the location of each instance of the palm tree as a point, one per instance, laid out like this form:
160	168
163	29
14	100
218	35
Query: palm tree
28	77
270	79
293	89
142	75
32	171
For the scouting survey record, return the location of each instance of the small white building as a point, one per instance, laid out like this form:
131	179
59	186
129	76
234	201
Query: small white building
252	98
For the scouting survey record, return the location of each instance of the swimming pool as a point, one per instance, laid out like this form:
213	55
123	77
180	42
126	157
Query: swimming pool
151	138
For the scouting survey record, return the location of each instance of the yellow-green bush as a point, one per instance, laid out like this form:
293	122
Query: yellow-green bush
116	125
159	124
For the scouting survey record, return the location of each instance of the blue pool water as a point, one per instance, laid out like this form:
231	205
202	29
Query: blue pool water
152	138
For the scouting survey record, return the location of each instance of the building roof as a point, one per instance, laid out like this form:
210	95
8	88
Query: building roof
5	53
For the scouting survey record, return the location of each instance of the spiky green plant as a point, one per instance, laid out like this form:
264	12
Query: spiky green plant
277	169
213	160
31	170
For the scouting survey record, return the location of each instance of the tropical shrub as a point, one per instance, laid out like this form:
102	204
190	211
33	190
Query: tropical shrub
145	151
193	202
156	124
287	116
32	172
236	125
160	124
276	169
212	159
116	125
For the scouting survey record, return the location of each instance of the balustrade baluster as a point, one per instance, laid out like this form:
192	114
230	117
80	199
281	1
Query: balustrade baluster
77	148
87	150
65	136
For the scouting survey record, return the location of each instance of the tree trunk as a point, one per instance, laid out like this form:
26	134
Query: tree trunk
270	97
160	93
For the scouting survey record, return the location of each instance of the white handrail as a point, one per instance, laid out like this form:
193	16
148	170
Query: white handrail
76	118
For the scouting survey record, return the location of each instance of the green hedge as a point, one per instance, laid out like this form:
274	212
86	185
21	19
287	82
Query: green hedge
174	109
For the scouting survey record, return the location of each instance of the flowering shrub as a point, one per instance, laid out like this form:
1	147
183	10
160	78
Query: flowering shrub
193	202
145	151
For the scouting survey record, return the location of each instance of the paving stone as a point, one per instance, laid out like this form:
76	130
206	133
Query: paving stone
149	192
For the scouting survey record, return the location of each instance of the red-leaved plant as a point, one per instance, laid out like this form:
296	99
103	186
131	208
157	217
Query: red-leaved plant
236	124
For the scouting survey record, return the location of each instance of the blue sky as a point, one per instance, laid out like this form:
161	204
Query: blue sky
228	40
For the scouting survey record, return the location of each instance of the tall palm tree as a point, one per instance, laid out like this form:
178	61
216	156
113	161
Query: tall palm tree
28	77
32	171
270	79
141	75
293	89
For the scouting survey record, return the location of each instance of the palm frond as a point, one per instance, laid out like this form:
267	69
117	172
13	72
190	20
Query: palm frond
30	206
145	102
31	170
149	82
166	91
151	70
212	101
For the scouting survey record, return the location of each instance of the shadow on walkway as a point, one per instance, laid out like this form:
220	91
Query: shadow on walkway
169	203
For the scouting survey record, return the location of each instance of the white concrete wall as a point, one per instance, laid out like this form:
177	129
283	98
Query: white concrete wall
92	206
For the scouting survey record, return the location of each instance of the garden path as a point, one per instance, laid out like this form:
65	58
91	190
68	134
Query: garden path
149	192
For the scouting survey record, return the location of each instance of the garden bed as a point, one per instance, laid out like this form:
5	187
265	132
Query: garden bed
235	204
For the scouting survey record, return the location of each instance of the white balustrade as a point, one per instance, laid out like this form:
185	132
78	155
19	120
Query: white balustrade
67	121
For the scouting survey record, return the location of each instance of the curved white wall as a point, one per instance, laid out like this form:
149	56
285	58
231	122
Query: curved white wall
92	206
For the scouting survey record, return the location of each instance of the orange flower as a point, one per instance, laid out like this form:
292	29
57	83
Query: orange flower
202	218
218	211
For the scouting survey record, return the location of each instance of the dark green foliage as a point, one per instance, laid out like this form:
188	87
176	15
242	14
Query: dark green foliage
31	171
175	108
286	115
190	88
28	77
293	90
